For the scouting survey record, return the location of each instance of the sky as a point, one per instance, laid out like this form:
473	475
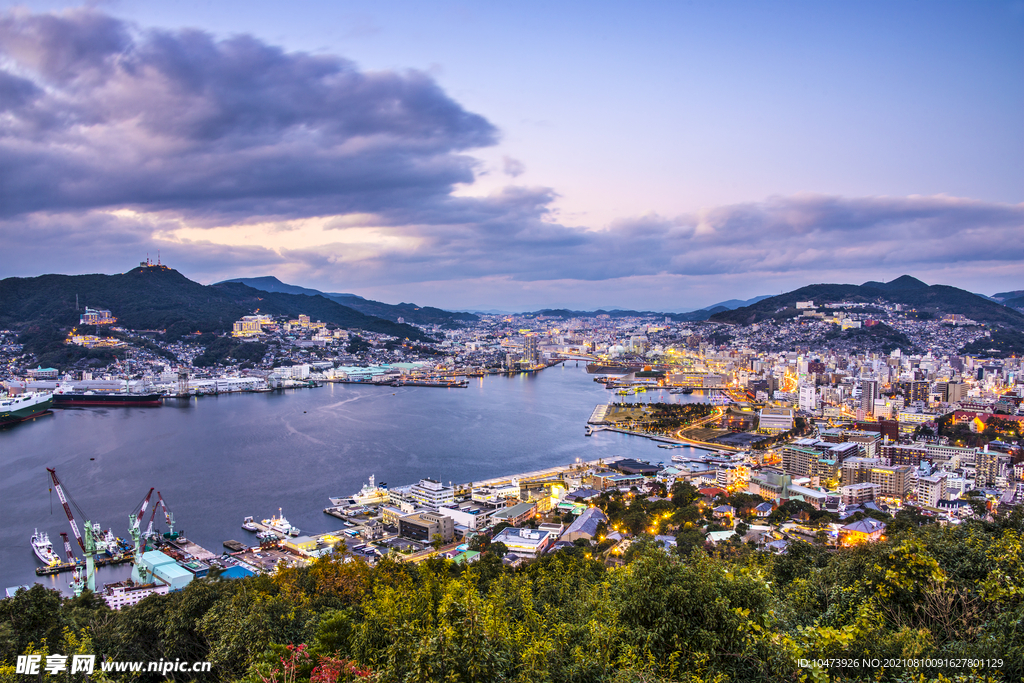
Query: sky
517	156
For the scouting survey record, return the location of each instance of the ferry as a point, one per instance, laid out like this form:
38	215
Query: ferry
24	407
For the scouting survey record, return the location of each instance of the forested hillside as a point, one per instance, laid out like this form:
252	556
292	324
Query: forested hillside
693	614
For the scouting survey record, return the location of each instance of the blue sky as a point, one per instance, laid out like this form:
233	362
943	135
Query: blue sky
649	155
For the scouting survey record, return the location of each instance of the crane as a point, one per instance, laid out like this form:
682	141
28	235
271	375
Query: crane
140	573
67	508
76	577
87	543
168	517
142	509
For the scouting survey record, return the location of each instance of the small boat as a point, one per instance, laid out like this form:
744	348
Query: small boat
249	525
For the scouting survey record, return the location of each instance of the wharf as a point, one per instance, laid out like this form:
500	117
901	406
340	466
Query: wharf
539	474
70	566
192	549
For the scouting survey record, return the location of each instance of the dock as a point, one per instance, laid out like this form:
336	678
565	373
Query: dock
61	567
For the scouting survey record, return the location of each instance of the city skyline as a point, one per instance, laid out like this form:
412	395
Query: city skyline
661	158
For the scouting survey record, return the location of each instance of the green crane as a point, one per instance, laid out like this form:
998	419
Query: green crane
88	544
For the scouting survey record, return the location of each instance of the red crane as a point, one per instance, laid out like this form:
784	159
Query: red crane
67	508
142	510
67	547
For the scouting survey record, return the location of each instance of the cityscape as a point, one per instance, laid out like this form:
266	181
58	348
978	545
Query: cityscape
632	418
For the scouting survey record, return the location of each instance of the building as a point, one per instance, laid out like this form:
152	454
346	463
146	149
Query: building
858	470
930	490
986	468
96	316
585	526
528	543
250	325
531	352
431	494
424	526
868	394
515	515
166	570
865	531
904	455
770	484
896	481
814	458
808	401
127	593
43	373
812	497
775	420
855	494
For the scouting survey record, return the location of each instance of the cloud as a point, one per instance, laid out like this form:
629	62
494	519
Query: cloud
513	167
100	114
236	158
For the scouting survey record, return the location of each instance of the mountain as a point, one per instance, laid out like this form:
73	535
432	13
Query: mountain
687	316
619	313
1004	297
733	304
269	283
903	282
421	315
157	297
935	300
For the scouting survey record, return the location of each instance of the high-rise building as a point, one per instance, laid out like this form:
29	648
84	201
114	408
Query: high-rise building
868	394
986	467
531	354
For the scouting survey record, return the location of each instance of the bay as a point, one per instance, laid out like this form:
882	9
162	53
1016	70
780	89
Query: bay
217	459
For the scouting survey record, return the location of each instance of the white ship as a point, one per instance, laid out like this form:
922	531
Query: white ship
281	525
249	525
371	494
43	549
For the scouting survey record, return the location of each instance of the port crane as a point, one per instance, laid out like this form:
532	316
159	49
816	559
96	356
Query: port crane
87	544
168	517
76	577
140	572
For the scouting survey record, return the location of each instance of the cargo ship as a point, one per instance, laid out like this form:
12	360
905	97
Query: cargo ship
613	368
24	407
62	398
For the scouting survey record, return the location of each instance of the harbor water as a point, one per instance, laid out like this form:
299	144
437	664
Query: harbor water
216	459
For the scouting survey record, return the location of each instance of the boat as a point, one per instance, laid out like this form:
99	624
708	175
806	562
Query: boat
280	525
371	494
24	407
43	549
613	368
249	525
63	398
687	390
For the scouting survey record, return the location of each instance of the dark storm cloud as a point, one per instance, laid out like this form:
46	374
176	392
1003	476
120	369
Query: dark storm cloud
101	115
